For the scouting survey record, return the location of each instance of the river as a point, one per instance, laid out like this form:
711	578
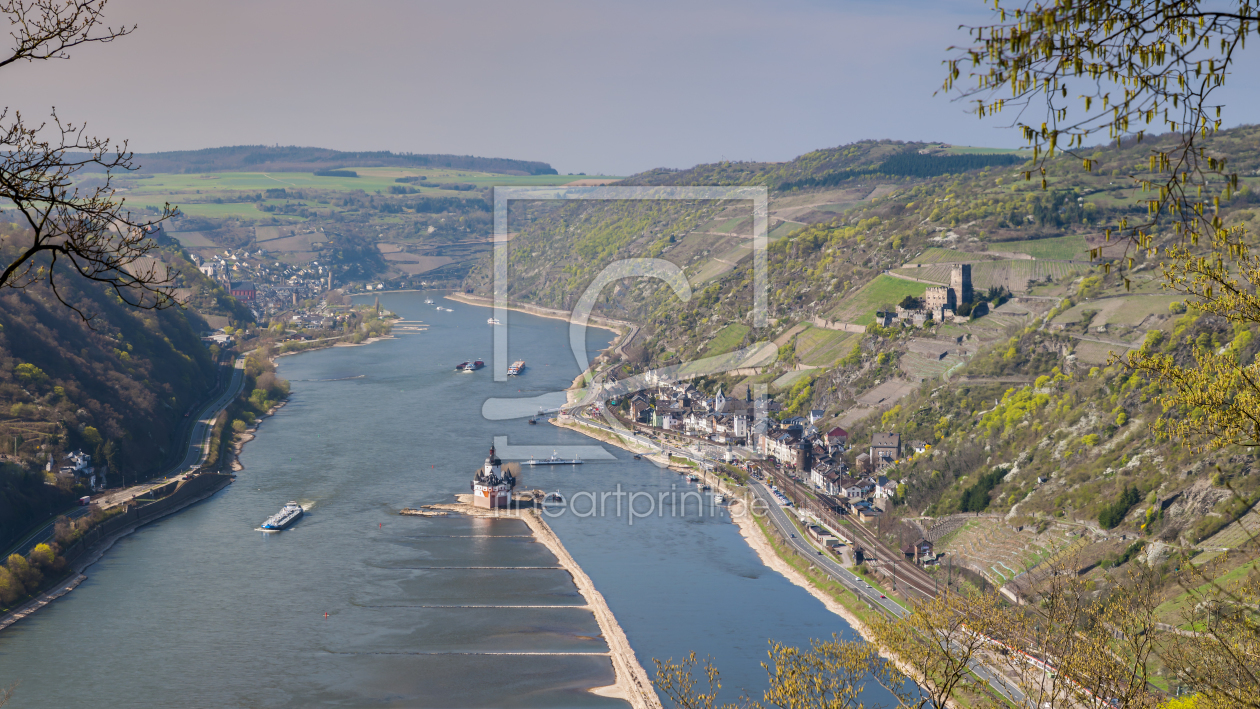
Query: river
202	610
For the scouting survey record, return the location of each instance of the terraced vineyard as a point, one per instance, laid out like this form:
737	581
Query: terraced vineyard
1245	529
938	255
820	347
919	367
1012	274
1000	553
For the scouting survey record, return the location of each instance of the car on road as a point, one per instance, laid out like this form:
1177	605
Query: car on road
882	596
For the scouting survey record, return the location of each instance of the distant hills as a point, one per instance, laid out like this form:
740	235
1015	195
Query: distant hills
255	158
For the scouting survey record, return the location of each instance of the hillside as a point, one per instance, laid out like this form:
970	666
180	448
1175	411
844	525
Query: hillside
117	389
1031	421
267	158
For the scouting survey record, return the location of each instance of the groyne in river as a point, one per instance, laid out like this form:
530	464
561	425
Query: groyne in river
421	611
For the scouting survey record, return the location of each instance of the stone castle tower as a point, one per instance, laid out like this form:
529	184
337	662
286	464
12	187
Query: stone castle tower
960	283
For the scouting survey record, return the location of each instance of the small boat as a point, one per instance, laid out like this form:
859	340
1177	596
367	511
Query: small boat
281	520
637	456
428	301
718	499
533	422
553	497
493	321
516	367
706	488
553	460
693	478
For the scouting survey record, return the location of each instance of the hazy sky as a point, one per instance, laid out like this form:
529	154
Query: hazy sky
612	87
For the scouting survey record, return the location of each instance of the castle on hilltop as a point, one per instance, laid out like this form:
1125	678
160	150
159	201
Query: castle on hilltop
939	302
942	298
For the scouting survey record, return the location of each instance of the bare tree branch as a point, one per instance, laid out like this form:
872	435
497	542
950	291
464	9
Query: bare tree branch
86	231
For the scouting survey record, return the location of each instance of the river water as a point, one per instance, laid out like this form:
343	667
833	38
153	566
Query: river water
202	610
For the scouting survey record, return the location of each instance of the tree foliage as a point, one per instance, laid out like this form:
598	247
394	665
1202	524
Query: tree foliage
74	229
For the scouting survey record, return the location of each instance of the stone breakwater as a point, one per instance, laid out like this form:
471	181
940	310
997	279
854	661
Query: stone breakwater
633	684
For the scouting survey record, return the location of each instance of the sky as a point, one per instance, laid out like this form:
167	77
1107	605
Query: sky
591	86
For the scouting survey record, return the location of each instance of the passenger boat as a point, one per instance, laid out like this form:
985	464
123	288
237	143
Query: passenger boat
516	367
553	460
281	520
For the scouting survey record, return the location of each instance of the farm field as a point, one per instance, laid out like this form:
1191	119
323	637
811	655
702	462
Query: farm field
1234	536
191	239
787	380
1067	248
821	347
1175	610
726	339
939	255
1123	311
720	264
920	367
884	290
195	194
783	230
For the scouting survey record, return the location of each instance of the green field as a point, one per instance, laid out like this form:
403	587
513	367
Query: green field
937	255
1067	248
860	307
726	339
969	150
195	194
1123	311
787	380
783	230
821	347
1011	274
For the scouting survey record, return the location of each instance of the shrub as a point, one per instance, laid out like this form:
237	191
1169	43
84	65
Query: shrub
1112	515
976	497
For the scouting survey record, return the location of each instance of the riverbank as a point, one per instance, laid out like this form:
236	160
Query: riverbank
621	327
632	684
92	546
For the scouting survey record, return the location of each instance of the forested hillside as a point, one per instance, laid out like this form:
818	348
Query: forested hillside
117	387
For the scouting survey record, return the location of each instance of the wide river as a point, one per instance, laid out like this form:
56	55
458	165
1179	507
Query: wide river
202	610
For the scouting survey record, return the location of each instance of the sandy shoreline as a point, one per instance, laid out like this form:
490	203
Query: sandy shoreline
552	313
633	684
